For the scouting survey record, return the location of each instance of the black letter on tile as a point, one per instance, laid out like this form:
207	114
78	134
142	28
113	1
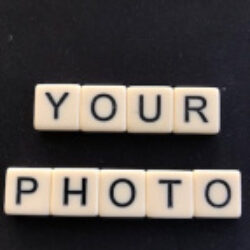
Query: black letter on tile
113	107
68	192
196	109
227	187
158	109
56	105
170	190
20	191
112	195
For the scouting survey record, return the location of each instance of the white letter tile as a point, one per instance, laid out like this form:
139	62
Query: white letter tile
217	193
122	193
75	192
103	108
57	107
27	191
150	109
169	194
197	110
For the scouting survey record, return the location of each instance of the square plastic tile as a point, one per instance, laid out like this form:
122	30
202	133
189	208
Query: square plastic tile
122	193
150	109
27	191
197	110
57	107
75	192
103	108
169	194
217	193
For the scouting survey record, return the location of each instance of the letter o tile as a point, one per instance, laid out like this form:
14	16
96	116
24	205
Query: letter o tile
122	193
103	108
217	193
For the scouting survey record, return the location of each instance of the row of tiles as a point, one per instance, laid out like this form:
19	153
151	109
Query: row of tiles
123	193
136	109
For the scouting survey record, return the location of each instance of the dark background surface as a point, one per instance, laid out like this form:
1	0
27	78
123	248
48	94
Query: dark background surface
133	42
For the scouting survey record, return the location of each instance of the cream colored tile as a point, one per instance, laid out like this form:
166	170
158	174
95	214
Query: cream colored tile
75	192
149	109
57	107
103	108
197	110
27	191
122	193
169	194
217	193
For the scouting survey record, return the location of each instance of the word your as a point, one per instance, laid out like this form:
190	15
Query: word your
136	109
123	193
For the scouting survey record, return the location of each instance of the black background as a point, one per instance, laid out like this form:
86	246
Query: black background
132	42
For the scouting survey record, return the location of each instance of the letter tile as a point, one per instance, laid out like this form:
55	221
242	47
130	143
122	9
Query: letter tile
57	107
122	193
27	191
169	194
75	192
150	109
103	108
217	193
197	110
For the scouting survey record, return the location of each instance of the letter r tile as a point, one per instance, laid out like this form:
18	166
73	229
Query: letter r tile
27	191
57	107
197	110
